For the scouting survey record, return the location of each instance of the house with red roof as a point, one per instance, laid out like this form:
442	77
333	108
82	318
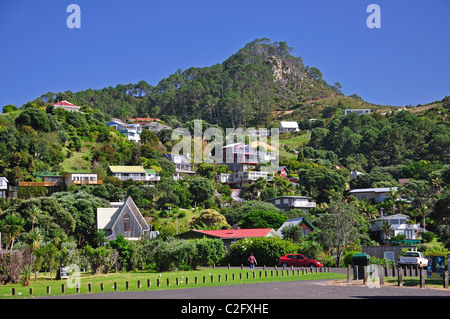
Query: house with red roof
230	236
66	106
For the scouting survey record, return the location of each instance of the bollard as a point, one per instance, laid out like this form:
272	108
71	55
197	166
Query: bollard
148	283
31	291
187	281
139	284
13	291
349	271
48	290
422	279
102	287
78	287
89	287
177	282
115	285
446	279
63	288
158	284
168	282
126	285
400	277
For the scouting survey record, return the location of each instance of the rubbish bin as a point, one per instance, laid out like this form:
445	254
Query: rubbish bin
359	260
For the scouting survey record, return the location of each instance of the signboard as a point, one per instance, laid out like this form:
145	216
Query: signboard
64	272
436	266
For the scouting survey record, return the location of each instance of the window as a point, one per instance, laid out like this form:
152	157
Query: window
389	255
126	222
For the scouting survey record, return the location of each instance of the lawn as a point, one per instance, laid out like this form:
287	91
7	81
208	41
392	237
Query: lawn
167	280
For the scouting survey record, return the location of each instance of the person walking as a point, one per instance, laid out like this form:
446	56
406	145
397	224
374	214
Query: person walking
252	261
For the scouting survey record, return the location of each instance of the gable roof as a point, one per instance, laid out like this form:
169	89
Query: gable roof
295	222
373	190
177	159
127	169
107	217
289	124
238	233
64	103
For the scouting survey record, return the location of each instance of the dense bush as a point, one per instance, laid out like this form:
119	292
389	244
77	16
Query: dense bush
266	250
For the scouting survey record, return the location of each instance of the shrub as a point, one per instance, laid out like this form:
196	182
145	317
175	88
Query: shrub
266	250
427	237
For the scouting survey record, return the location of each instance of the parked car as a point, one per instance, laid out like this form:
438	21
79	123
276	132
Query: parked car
298	260
414	258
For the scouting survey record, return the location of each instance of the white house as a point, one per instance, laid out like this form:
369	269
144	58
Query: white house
357	111
82	178
288	126
135	173
239	179
3	187
66	106
131	131
286	203
399	224
182	165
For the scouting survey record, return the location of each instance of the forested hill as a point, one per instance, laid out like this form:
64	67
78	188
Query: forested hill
252	87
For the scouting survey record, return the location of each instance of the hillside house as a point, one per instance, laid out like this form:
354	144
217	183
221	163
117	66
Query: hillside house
82	178
400	226
182	165
242	178
65	105
230	236
126	220
305	225
241	157
3	187
357	111
286	203
283	171
288	126
135	173
131	131
375	194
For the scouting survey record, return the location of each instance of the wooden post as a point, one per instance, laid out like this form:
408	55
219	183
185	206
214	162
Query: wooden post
78	287
204	279
158	284
187	280
13	291
115	285
196	280
31	291
63	288
349	272
168	282
89	287
446	279
400	277
212	278
126	285
422	279
148	283
48	290
364	275
177	281
139	284
102	287
220	278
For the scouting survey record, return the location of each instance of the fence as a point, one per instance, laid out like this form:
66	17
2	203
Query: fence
196	280
400	273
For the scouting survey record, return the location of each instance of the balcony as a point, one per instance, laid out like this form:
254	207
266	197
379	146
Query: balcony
87	182
37	184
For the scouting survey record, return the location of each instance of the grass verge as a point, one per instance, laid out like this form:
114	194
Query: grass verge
168	280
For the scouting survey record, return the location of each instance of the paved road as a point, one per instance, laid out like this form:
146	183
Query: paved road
305	289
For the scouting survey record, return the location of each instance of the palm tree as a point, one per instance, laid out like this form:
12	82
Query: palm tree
366	209
387	228
32	240
394	196
423	212
34	211
11	227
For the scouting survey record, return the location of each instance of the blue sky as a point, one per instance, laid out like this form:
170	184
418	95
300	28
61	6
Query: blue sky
404	62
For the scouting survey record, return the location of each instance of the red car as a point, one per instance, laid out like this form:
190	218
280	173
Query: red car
298	260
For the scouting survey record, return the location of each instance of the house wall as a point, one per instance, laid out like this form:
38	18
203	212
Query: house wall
119	226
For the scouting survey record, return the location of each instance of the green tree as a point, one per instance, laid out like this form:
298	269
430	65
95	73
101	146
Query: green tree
201	189
262	219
